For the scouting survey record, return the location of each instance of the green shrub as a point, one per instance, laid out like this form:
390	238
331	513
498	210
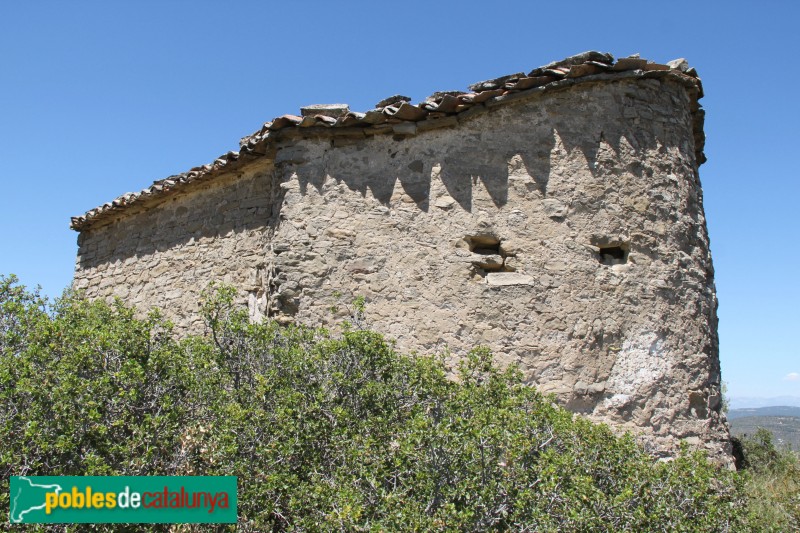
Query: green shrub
772	483
324	431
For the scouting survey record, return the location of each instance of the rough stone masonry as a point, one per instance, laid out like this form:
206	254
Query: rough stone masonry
555	216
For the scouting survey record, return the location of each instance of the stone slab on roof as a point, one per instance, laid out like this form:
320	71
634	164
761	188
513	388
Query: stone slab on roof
397	115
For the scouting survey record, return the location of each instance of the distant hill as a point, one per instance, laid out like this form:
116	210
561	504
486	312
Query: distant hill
783	422
779	410
742	402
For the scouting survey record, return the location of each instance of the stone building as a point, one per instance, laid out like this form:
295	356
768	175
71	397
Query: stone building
555	216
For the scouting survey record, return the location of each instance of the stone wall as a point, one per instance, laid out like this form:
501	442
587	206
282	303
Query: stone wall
564	230
165	255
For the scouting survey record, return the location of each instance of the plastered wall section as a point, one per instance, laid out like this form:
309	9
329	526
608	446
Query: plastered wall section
555	180
166	255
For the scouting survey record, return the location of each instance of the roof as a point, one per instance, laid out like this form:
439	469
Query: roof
397	115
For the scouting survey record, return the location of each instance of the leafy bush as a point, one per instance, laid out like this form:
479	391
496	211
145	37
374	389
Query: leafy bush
772	482
324	431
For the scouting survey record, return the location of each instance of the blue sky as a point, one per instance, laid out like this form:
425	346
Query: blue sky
100	98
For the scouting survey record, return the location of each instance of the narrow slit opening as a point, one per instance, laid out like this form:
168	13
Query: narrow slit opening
613	254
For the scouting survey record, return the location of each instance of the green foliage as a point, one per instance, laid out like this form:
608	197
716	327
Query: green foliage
772	483
327	432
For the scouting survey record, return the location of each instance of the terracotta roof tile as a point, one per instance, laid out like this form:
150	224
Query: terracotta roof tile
392	100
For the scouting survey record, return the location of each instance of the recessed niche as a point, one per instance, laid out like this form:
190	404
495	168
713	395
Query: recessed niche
613	254
489	247
483	245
